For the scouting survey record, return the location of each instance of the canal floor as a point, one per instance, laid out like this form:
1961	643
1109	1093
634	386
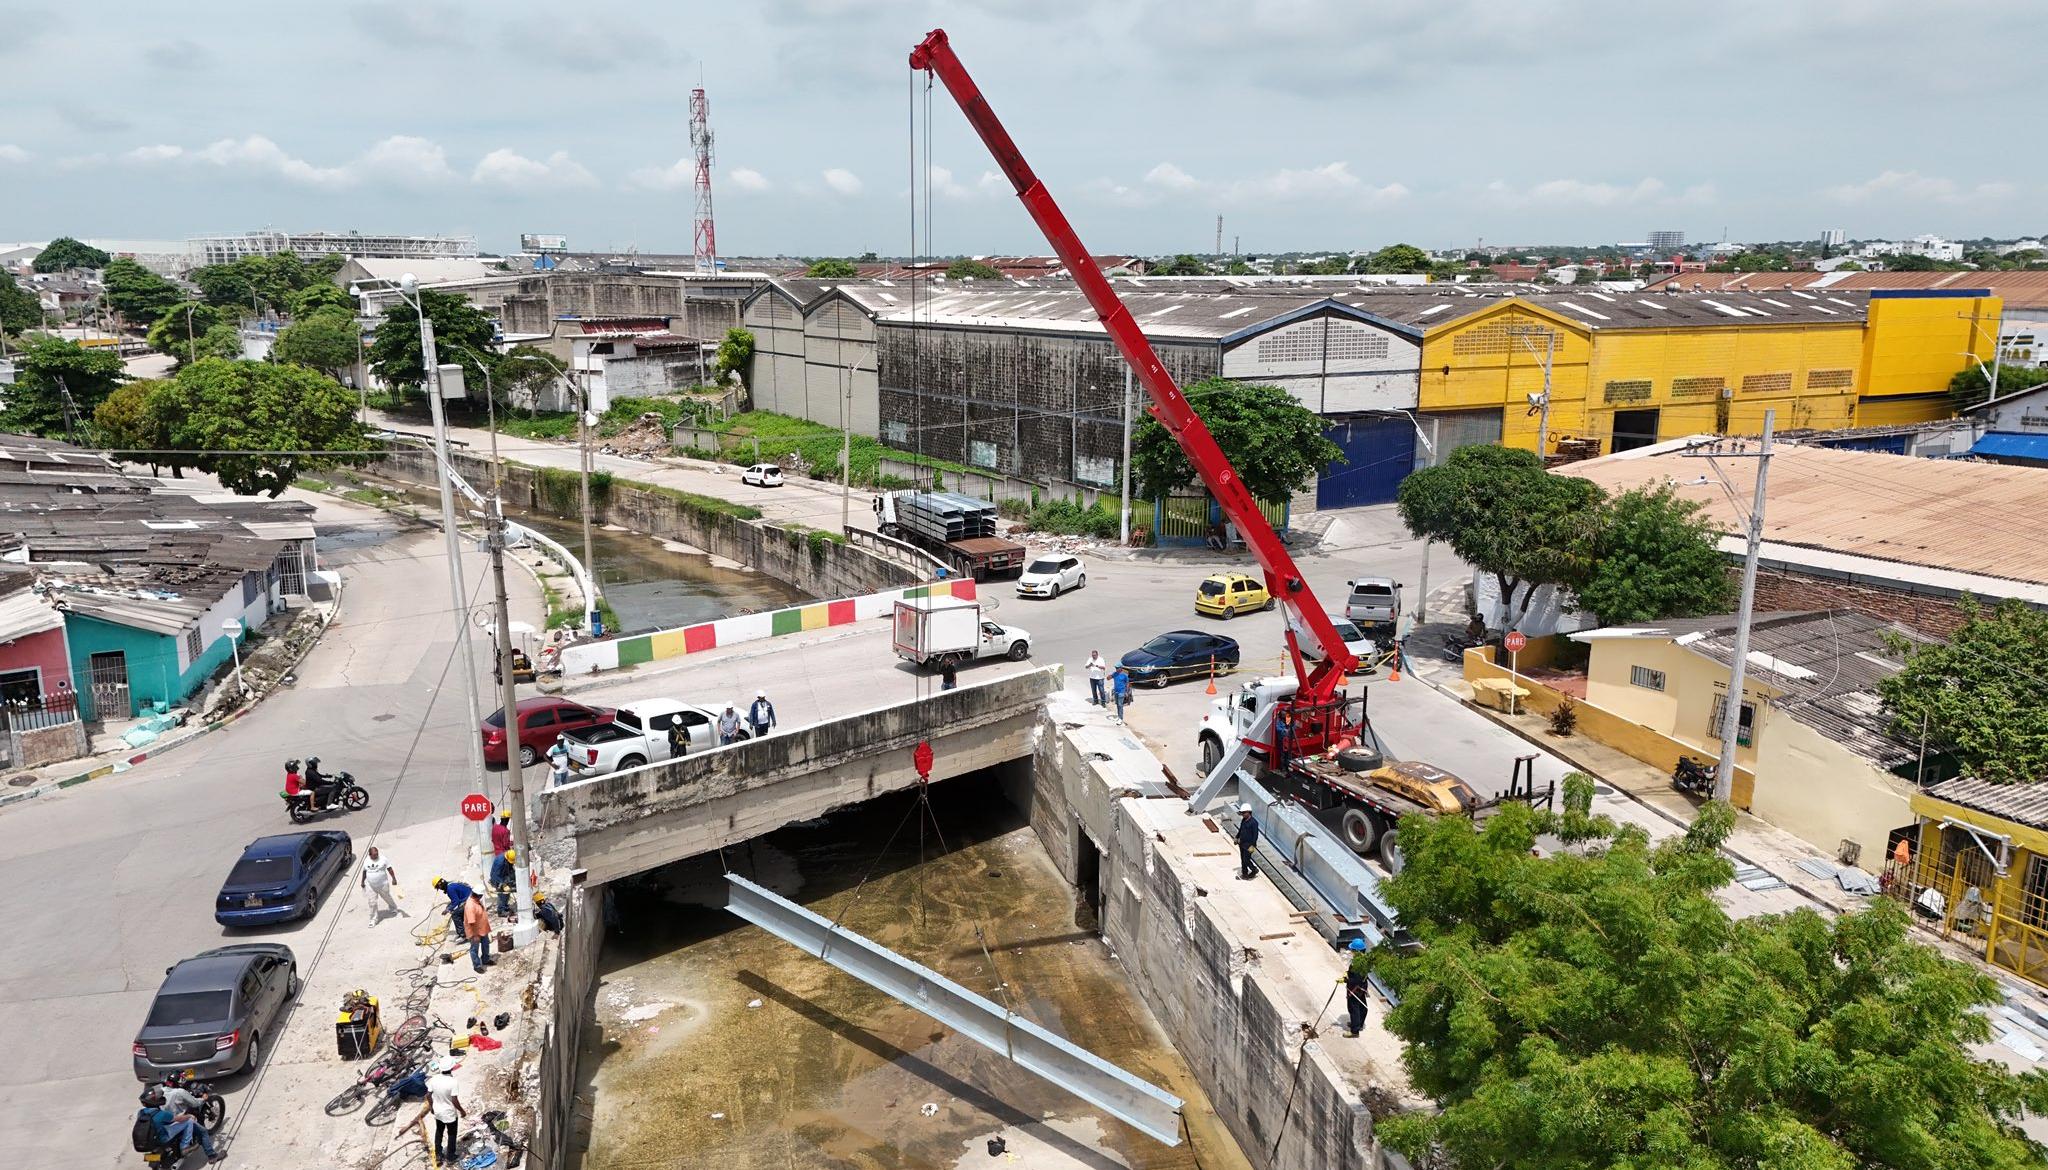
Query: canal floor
718	1045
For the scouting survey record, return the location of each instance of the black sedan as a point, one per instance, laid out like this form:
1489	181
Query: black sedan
281	878
214	1009
1180	654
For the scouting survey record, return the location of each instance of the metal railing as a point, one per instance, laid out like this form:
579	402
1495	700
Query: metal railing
902	550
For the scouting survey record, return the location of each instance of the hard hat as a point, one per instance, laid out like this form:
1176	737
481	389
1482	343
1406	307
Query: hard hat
447	1064
760	694
1358	944
1244	808
540	896
504	814
440	883
511	855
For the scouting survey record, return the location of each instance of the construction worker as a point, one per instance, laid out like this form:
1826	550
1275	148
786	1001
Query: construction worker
501	832
504	878
1355	987
1247	839
458	894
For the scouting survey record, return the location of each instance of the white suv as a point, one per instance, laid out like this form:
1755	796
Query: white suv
762	475
1050	575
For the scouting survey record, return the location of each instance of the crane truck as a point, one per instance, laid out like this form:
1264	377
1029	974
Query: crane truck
1306	737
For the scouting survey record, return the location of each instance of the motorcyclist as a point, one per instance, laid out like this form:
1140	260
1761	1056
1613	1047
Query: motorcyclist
323	786
179	1098
174	1130
295	786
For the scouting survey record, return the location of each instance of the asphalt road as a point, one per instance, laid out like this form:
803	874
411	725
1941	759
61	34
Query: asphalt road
113	881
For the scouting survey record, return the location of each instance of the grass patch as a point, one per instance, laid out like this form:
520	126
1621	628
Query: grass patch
307	483
1068	518
375	497
817	446
622	413
697	503
567	611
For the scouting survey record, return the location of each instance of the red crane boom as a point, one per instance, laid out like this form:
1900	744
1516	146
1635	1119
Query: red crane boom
934	55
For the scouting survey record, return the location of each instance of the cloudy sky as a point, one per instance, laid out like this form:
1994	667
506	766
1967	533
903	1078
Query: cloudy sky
1335	124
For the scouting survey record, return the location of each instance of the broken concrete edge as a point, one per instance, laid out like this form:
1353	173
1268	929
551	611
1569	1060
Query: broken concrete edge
169	744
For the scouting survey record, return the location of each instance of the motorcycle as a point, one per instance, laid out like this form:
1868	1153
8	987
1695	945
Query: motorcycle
337	791
213	1108
1694	775
212	1113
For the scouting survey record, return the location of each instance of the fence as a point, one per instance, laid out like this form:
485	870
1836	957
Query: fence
1953	888
26	714
1188	520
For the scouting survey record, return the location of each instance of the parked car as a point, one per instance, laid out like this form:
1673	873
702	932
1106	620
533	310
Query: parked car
213	1010
1355	639
281	878
1374	603
541	719
762	475
1226	595
1180	654
638	734
1050	576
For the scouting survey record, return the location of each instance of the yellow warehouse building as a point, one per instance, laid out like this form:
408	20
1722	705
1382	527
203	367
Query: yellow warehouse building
1631	369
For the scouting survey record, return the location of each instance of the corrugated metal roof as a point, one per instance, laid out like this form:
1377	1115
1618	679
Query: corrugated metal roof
2005	445
2025	804
2025	288
26	612
1982	518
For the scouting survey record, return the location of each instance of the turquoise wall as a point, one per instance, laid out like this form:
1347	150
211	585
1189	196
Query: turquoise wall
153	674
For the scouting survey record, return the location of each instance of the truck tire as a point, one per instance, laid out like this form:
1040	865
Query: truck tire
1019	651
630	762
1212	754
1358	831
1390	852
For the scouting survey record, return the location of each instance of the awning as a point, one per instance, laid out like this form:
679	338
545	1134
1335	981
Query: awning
2007	445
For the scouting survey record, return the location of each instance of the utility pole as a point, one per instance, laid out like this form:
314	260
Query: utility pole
1522	333
1731	714
1126	524
1422	590
846	453
515	773
591	621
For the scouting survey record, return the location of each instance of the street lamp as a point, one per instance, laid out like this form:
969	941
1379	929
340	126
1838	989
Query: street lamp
233	629
408	290
583	420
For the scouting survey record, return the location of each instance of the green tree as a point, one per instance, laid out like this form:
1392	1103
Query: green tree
1909	262
1654	555
1503	514
832	269
223	341
178	328
1394	258
46	370
1238	267
326	341
735	355
311	299
1274	442
137	293
395	345
1979	693
20	311
136	420
261	408
261	281
1973	385
1598	1009
1181	265
965	269
64	253
523	371
1325	266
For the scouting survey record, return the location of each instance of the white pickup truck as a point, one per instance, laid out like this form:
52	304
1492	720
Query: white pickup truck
638	735
932	631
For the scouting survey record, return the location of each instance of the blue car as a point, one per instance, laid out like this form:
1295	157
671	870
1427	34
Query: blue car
281	878
1180	654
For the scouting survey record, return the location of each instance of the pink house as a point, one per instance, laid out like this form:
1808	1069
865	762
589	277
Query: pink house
35	659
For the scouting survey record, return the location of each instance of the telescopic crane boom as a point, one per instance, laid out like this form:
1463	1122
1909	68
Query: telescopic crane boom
934	55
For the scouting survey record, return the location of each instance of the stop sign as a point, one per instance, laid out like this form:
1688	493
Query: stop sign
1515	641
476	806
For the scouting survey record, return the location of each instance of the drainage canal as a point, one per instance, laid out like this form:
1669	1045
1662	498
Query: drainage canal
716	1045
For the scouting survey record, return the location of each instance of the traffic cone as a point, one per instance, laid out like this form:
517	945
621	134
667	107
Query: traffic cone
1212	678
1394	671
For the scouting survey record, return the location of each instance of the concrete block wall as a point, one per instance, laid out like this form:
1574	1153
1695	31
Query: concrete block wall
566	1000
1192	973
1923	613
821	568
37	746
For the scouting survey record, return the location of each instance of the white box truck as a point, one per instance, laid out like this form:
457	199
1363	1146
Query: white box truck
931	631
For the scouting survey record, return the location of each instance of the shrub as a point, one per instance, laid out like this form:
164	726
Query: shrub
1067	518
1564	718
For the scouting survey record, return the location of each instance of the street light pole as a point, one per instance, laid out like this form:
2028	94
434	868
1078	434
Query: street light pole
1422	589
846	453
408	289
583	463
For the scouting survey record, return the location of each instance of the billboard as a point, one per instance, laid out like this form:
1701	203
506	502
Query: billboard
537	243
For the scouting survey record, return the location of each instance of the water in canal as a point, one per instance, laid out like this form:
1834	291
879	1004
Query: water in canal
719	1046
653	584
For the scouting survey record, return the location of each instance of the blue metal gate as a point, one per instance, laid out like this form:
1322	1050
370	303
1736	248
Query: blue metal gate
1380	452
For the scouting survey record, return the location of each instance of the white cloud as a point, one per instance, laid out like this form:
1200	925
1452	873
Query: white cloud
673	177
508	168
401	159
1332	182
945	185
10	153
161	152
1172	178
843	181
1914	187
748	179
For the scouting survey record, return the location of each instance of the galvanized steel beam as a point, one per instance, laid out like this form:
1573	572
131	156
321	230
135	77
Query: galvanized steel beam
1149	1110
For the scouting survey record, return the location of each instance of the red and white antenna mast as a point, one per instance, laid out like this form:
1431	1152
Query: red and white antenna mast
700	142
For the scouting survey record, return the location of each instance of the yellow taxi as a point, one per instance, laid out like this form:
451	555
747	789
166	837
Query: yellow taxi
1226	595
